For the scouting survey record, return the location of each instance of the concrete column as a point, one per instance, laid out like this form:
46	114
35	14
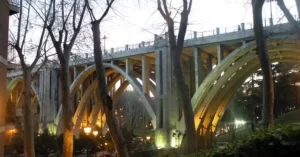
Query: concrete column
129	66
298	8
198	67
209	63
48	90
145	74
159	89
220	51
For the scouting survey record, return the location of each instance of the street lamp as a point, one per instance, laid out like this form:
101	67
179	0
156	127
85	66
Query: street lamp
87	130
95	133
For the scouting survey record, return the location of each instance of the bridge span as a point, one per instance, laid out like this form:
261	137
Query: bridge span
215	65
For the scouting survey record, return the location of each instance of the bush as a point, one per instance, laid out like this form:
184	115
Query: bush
276	141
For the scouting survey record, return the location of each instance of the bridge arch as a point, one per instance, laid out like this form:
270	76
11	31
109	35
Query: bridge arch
19	98
211	98
114	69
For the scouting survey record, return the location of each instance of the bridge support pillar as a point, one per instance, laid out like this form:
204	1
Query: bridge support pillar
168	112
198	67
129	66
48	94
145	74
208	64
220	50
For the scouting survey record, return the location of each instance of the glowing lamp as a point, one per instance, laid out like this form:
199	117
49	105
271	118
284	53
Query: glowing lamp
87	130
95	133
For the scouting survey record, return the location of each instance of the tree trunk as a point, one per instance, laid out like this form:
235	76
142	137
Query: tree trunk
268	86
182	89
28	115
114	130
67	110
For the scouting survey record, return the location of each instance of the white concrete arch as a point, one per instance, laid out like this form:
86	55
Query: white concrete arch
12	85
78	116
211	98
138	88
96	114
136	85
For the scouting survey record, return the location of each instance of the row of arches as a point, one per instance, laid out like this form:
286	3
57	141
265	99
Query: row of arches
211	98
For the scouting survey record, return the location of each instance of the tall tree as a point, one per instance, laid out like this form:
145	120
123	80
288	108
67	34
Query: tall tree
107	104
268	86
68	24
176	46
21	43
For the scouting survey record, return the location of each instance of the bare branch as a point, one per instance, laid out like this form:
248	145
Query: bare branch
26	27
90	10
109	4
63	14
166	8
76	31
20	23
53	15
288	15
74	14
159	8
190	6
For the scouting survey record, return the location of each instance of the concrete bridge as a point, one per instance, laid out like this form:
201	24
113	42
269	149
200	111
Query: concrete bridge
215	64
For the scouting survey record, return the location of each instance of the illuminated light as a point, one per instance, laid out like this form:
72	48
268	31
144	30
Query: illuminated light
121	116
239	123
160	139
148	138
95	133
107	129
116	112
257	117
105	143
173	142
87	130
222	73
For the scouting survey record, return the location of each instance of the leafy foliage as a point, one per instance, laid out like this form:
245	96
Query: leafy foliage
276	141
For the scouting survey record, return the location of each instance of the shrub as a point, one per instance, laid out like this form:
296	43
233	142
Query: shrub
275	141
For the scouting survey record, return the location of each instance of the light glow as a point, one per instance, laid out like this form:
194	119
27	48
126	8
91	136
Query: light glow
87	130
95	133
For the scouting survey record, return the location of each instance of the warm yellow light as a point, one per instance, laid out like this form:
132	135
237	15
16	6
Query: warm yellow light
87	130
105	144
95	133
148	137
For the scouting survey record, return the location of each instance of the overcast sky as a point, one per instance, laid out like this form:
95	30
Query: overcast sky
134	22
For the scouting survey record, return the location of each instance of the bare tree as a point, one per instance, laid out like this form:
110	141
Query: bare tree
68	30
25	20
106	100
176	46
268	86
